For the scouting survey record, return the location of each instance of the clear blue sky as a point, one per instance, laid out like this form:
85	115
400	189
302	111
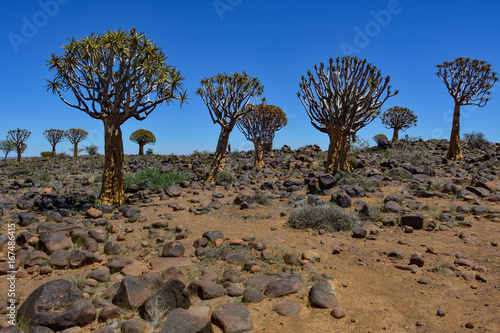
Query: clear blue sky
276	41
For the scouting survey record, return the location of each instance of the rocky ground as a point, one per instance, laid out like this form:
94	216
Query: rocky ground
423	254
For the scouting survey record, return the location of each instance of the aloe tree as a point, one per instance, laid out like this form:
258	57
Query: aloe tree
399	119
7	146
226	97
75	136
468	81
54	136
142	137
340	99
113	77
19	137
259	126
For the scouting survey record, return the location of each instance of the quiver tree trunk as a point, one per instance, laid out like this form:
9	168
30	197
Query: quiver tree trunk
259	154
455	149
53	150
220	155
268	146
395	134
141	149
113	182
339	153
19	152
75	149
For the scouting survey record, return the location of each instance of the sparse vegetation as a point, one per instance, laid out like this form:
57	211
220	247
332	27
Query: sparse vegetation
351	178
224	177
400	172
92	150
329	218
476	140
154	178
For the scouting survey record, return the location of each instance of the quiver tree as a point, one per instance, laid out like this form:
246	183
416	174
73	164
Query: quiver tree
468	81
142	137
114	77
226	97
259	124
54	136
7	146
19	137
75	136
398	118
340	99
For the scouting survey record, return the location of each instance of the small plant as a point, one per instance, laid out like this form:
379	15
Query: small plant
156	310
400	172
46	154
349	178
358	146
78	280
380	138
92	150
476	140
224	177
409	150
45	176
154	178
149	151
22	323
329	218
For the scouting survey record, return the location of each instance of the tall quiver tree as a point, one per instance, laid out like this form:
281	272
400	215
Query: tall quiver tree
468	81
340	99
142	137
54	136
19	137
115	76
259	126
399	119
226	97
75	136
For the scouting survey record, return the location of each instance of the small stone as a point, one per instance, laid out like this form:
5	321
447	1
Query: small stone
440	313
338	313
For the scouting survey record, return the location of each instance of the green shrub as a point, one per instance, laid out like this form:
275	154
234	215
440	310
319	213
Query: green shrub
45	176
413	152
401	172
154	178
329	218
262	198
349	178
224	177
476	140
46	154
149	151
92	149
379	138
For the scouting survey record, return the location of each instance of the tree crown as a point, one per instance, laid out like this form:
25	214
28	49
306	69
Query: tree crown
345	95
260	122
54	136
399	117
142	137
117	74
468	80
18	136
76	135
226	96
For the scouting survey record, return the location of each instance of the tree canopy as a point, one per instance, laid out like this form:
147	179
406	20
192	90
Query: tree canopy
142	137
54	136
398	118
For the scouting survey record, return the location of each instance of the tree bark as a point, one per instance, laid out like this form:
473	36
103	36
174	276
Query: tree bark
268	146
53	150
19	155
113	182
339	153
259	154
220	155
141	149
395	134
455	149
75	149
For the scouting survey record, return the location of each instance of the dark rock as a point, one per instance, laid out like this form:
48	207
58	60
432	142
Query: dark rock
341	199
195	320
285	286
101	274
80	258
25	218
287	308
53	241
320	298
112	248
134	325
134	290
206	289
109	311
60	259
359	233
173	191
252	295
232	317
237	258
172	295
416	221
173	249
392	207
99	234
213	236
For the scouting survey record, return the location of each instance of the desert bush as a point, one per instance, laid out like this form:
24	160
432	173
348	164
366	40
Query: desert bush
359	145
46	154
224	177
413	152
92	149
476	140
350	178
262	198
401	172
380	138
149	151
154	178
329	218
